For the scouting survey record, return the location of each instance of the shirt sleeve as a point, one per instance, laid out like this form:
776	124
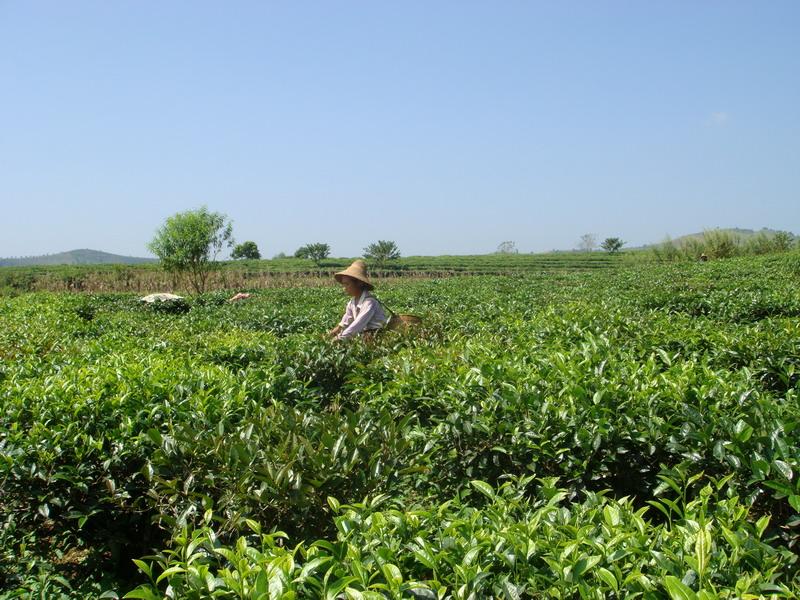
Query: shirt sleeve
359	323
349	315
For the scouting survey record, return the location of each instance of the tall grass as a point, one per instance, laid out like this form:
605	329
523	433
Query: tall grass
719	244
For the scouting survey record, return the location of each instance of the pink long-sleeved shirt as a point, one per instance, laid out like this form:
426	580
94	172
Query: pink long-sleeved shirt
364	312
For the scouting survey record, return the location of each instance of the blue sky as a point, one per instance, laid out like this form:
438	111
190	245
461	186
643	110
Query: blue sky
448	127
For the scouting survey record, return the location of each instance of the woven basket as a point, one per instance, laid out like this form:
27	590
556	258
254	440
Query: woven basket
403	322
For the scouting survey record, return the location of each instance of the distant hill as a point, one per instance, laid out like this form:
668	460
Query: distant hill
74	257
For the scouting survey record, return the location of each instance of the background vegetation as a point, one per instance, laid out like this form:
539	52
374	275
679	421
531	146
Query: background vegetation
312	265
292	272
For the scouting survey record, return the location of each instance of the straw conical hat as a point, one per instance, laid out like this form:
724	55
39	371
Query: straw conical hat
358	270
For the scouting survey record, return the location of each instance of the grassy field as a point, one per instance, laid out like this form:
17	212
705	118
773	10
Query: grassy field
631	430
291	272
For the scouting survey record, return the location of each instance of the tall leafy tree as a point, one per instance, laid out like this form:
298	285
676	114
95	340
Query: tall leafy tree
316	252
248	250
507	247
188	244
612	245
382	251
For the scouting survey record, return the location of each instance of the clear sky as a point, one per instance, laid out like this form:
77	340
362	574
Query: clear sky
447	127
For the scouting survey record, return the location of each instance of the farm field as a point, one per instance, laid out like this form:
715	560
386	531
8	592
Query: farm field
549	433
291	272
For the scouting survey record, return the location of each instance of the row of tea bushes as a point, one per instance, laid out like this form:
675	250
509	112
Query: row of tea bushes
490	543
123	425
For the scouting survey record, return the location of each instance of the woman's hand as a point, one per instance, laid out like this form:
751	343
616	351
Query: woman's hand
335	331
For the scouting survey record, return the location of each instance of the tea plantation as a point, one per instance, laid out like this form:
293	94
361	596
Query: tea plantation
627	433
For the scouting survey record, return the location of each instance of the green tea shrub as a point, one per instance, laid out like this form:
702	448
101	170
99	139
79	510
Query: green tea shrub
138	431
491	543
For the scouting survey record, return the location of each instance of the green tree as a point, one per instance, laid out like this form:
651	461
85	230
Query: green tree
782	241
188	243
315	252
765	242
248	250
508	247
382	251
612	245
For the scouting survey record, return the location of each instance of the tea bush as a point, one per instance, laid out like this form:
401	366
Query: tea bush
502	544
651	410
